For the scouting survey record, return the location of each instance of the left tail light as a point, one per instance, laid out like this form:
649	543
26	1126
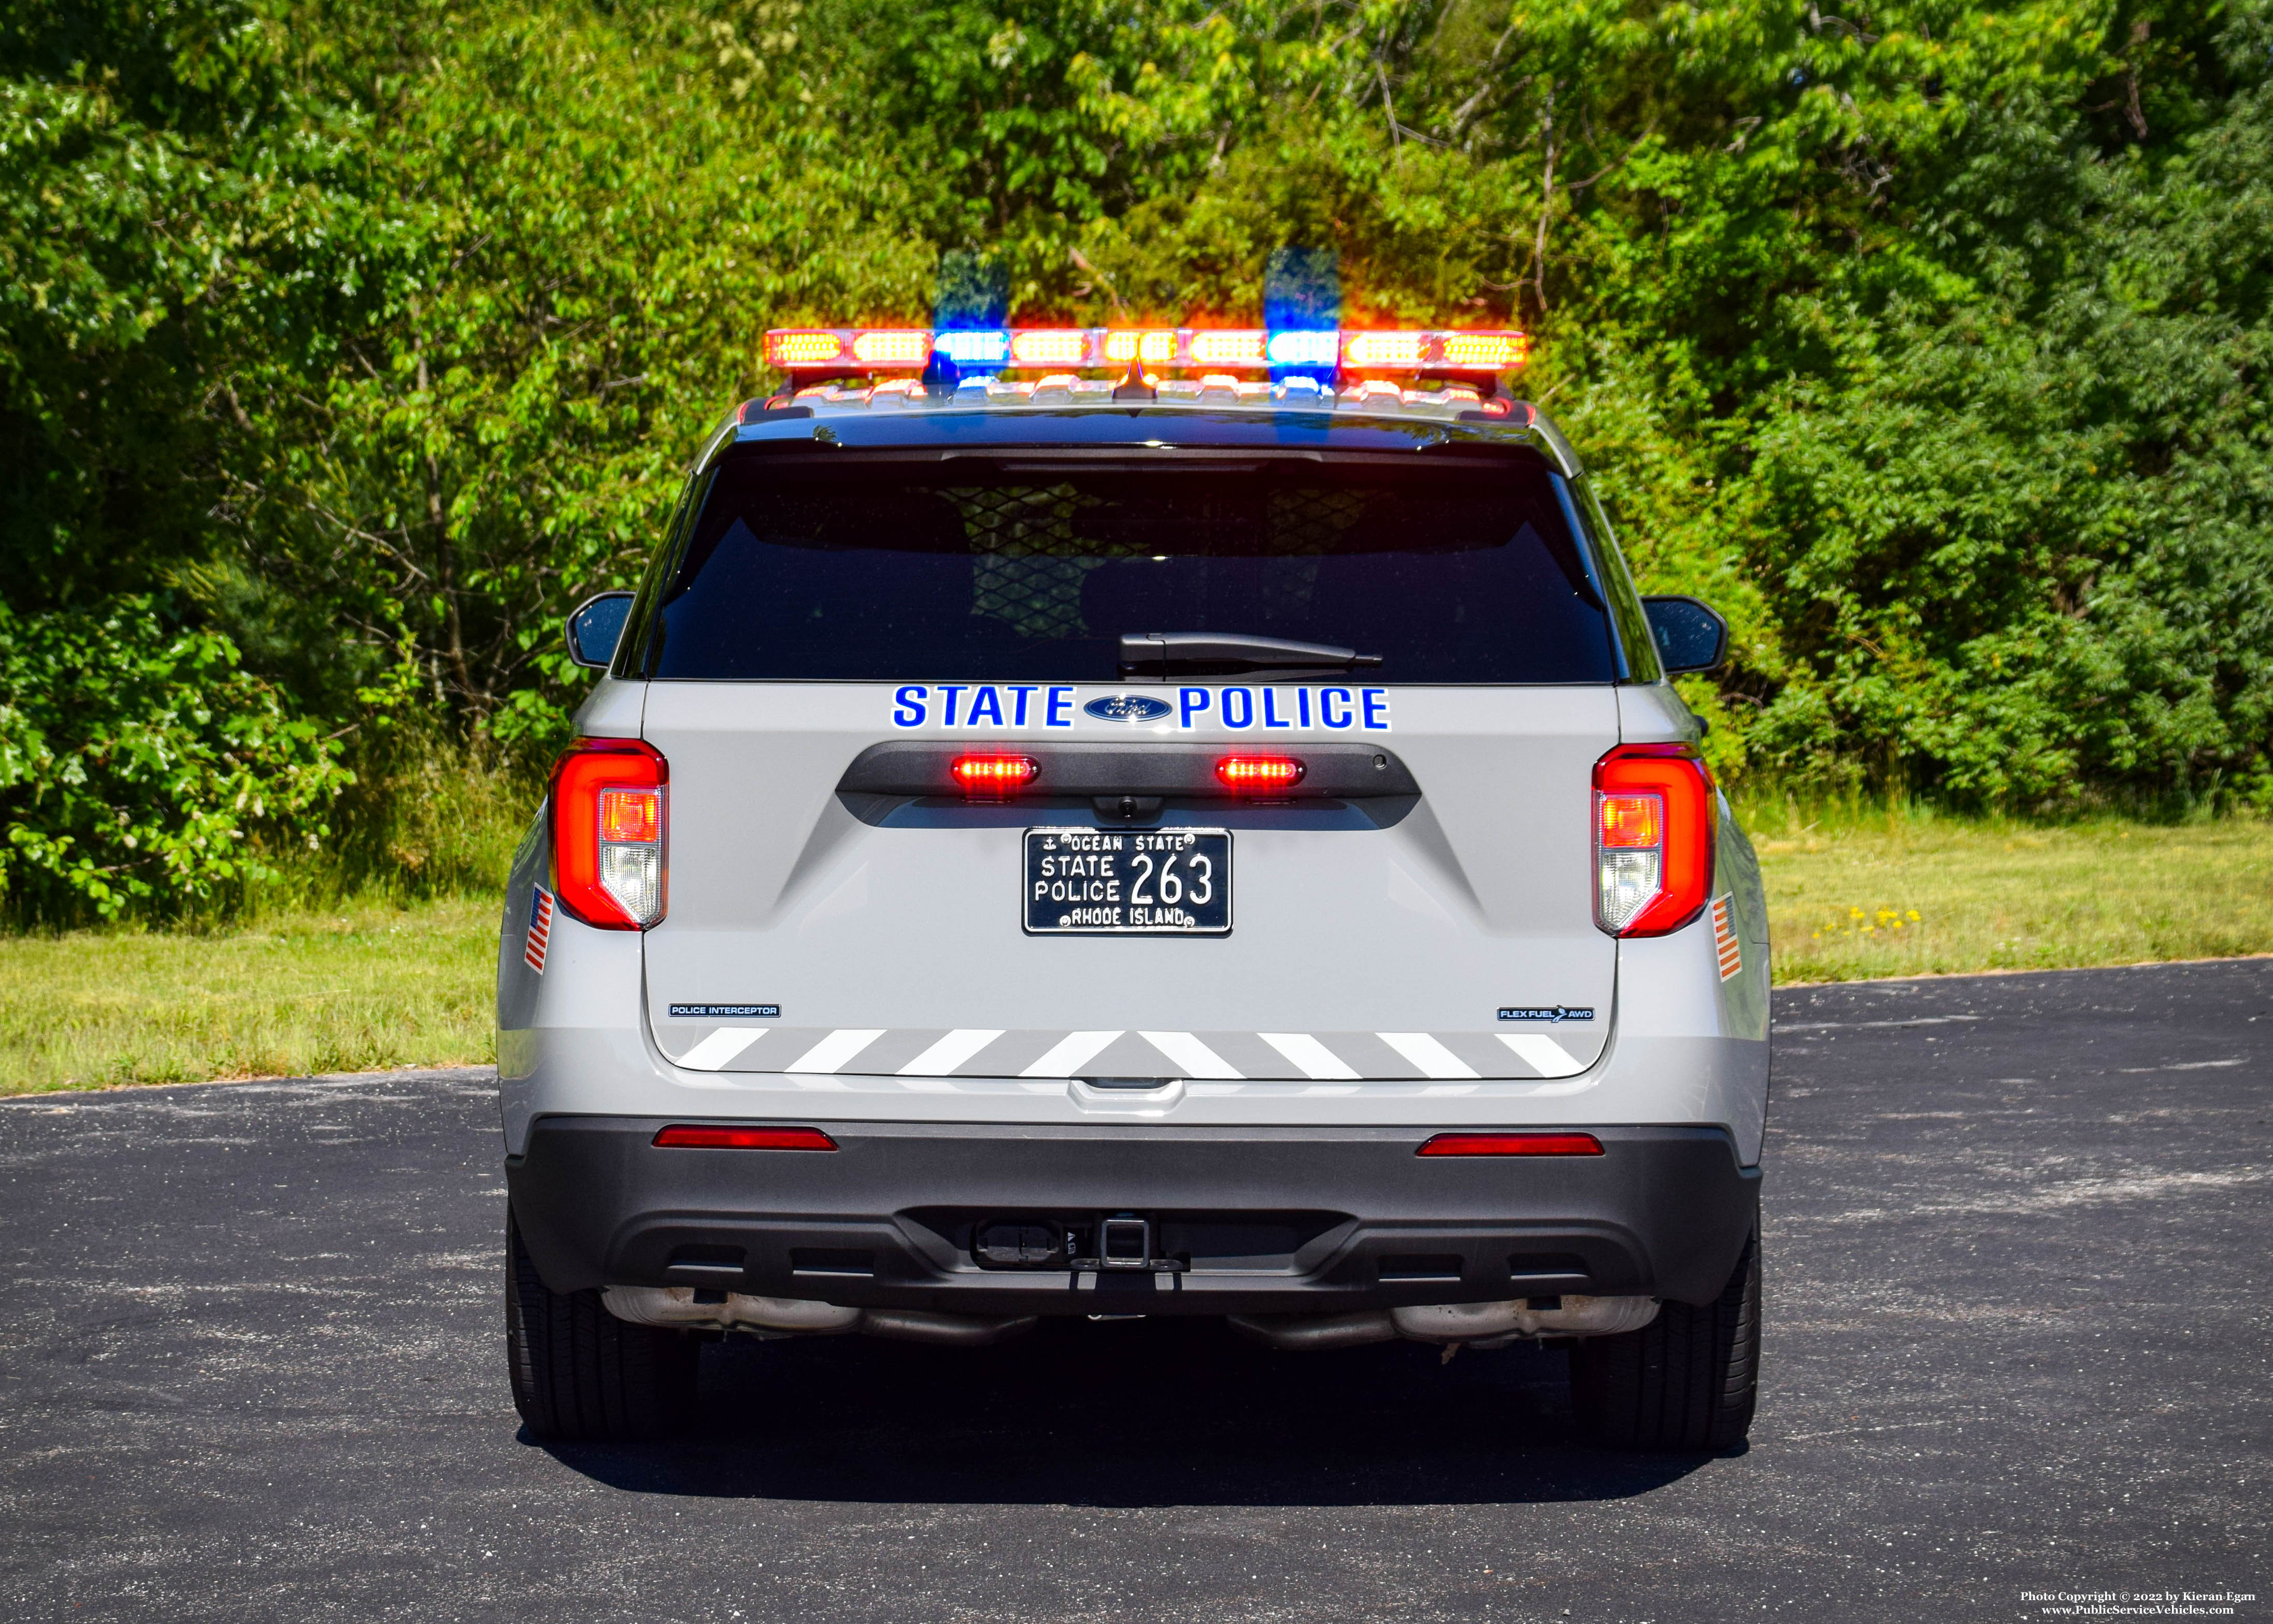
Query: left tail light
611	830
1655	822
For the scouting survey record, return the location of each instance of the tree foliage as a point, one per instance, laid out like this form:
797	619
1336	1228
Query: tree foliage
344	348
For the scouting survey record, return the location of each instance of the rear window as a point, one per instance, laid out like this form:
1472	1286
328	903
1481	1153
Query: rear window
888	571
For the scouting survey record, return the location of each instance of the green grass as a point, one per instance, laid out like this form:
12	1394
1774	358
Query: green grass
1853	892
354	988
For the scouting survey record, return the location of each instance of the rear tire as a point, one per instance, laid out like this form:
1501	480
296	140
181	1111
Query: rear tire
1686	1381
578	1373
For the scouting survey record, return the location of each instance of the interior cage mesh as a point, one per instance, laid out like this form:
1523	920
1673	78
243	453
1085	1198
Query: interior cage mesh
1030	553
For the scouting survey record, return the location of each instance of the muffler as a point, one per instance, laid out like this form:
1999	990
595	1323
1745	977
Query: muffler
1477	1322
675	1308
1483	1324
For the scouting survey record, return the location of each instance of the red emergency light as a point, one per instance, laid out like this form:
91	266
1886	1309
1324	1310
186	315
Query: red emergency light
994	776
1254	774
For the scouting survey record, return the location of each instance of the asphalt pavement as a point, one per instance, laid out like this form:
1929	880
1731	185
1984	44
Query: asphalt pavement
2019	1235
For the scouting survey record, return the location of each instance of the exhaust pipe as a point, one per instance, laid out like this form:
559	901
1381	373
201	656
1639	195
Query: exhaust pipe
1313	1332
1481	1325
911	1325
675	1308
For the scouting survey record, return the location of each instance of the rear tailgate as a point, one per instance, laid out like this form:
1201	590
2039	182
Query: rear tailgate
1446	935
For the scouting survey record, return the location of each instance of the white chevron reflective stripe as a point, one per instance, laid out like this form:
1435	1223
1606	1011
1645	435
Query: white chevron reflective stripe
1200	1057
1431	1058
720	1047
1316	1060
950	1051
1190	1057
833	1051
1070	1053
1542	1054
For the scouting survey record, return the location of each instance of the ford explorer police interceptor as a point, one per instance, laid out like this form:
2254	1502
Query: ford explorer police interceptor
1094	827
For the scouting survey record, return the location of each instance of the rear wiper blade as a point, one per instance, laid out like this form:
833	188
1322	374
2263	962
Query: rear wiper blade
1227	654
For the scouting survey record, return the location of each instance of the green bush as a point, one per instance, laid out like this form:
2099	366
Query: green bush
137	764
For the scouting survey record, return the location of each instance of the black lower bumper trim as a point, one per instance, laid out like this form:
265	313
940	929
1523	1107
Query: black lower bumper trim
1255	1220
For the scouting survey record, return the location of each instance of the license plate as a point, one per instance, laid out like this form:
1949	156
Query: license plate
1123	881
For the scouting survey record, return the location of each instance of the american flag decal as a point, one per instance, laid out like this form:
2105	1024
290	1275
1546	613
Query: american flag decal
540	929
1724	937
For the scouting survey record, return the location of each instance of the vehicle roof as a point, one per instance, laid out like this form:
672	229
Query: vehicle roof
1382	418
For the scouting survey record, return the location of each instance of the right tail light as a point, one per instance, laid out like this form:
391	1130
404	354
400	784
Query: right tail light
1655	824
609	822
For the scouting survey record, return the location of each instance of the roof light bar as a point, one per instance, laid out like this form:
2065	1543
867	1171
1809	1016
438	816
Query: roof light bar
841	351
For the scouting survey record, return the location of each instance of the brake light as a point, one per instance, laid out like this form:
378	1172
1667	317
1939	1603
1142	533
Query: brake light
1257	774
608	828
633	817
1631	820
699	1136
995	775
1512	1145
1655	824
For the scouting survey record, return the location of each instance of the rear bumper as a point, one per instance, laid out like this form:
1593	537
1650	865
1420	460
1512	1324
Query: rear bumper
1268	1220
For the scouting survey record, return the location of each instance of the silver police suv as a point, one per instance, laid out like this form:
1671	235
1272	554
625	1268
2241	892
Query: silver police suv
1086	846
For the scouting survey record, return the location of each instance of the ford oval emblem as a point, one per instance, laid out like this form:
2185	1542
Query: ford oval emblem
1127	708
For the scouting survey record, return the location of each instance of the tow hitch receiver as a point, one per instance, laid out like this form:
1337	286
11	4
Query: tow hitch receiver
1111	1243
1125	1245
